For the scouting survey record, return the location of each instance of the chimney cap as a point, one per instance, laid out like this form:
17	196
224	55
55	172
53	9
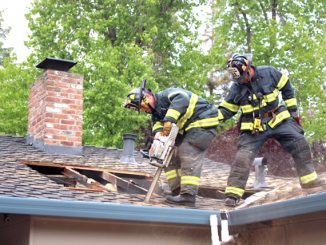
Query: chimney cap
56	64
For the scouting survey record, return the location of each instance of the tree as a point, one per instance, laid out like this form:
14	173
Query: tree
117	45
4	52
14	84
285	34
15	81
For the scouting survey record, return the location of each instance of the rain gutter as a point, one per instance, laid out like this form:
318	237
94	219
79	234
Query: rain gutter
103	210
127	212
304	205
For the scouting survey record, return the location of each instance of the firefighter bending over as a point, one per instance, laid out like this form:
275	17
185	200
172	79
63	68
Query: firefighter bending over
255	92
197	120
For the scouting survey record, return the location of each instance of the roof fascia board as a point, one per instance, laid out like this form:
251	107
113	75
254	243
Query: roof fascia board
305	205
105	211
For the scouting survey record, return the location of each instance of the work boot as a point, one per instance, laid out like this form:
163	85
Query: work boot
231	201
182	199
171	193
313	184
175	192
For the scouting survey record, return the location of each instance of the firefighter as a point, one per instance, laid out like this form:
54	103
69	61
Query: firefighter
264	115
197	120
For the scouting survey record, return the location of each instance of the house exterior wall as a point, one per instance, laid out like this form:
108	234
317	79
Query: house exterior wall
14	230
54	231
300	230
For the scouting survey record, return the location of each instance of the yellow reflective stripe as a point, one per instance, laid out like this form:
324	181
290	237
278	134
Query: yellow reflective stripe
190	180
207	122
282	82
248	108
291	102
229	106
249	126
308	178
173	113
279	118
272	96
234	190
220	115
190	111
171	174
157	126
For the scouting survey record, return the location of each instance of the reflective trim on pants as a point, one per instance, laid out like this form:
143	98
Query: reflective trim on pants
190	180
234	190
171	174
308	178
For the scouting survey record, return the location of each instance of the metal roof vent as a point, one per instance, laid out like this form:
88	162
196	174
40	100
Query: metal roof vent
129	141
56	64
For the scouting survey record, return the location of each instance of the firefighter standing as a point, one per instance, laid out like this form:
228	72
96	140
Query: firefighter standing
255	92
197	120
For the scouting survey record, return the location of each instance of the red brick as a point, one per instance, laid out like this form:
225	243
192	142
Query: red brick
57	87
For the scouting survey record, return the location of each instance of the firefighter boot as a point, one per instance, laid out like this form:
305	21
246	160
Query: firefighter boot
231	201
182	199
313	184
175	192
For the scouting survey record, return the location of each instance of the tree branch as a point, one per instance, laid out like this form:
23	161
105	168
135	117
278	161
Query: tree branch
274	9
248	27
264	10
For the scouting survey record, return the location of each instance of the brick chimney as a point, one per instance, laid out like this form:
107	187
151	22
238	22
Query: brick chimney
55	119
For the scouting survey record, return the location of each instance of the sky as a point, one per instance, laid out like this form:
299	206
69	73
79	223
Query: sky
14	16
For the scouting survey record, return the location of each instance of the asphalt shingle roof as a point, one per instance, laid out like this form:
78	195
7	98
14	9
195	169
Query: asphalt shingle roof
19	180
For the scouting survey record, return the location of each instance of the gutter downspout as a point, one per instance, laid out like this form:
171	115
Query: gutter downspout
214	230
225	235
226	238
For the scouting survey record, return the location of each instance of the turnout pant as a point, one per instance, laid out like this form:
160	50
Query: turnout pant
290	135
185	169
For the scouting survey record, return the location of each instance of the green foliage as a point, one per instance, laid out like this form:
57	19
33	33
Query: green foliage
14	82
4	52
289	35
117	44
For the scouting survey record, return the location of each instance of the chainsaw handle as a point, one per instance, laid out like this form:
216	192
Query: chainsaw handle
157	164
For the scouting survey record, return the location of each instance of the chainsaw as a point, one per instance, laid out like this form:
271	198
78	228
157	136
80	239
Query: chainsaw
160	155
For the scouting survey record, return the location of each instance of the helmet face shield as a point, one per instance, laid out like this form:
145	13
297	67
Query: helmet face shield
141	99
234	73
238	67
133	100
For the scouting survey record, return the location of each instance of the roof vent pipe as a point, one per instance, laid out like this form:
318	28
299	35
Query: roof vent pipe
260	164
129	141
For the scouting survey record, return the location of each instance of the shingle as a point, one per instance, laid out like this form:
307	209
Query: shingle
17	179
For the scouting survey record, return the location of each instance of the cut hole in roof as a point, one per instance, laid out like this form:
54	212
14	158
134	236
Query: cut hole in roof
110	180
95	179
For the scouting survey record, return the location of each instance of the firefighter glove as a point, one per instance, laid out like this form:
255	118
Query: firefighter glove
167	126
